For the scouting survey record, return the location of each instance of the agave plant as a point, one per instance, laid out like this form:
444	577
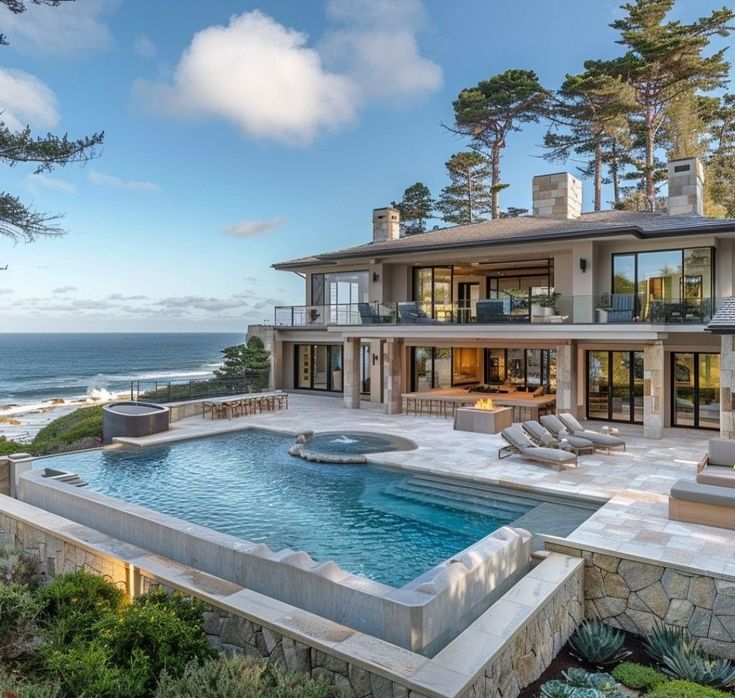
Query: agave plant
579	683
663	638
597	643
688	661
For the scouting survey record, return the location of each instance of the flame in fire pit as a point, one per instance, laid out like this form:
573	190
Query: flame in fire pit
484	404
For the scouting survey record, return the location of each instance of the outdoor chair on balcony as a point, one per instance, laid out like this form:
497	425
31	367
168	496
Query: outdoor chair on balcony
490	311
369	316
541	436
602	442
410	314
622	307
521	445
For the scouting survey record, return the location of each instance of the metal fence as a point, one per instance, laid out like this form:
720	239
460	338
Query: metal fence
180	390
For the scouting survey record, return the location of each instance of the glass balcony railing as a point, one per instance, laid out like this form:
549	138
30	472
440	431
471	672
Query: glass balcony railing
604	309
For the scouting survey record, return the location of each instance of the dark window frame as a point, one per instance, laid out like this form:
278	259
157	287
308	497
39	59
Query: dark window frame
672	376
631	386
297	368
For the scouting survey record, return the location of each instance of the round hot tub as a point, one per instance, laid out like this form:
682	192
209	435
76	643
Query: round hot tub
346	447
133	419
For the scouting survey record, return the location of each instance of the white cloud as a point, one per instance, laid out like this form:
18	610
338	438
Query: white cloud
266	79
46	182
261	76
104	180
26	100
144	46
251	229
72	28
65	289
6	291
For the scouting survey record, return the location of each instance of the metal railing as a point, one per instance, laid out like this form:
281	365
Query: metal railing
181	390
603	309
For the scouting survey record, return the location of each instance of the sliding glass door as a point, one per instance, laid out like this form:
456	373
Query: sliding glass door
319	367
695	391
615	386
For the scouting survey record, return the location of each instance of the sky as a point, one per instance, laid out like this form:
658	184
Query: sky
239	134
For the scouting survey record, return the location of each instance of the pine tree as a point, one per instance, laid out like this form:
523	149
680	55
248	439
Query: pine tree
720	161
664	60
18	221
490	111
592	109
467	196
416	207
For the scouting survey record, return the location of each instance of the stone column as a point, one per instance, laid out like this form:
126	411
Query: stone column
566	378
393	358
351	372
653	390
727	386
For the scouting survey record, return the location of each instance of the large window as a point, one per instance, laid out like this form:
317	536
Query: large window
319	367
615	386
431	368
432	290
340	292
670	285
526	368
695	391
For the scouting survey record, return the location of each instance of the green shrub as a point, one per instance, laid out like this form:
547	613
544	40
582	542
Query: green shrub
86	670
185	608
168	638
80	429
578	683
690	662
73	604
13	687
19	568
597	643
686	689
7	447
239	676
638	676
18	612
664	637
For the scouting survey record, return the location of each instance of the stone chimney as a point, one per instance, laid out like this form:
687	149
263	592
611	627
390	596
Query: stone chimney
686	183
386	224
557	196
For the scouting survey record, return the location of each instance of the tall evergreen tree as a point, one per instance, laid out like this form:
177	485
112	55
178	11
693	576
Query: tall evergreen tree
467	196
720	160
18	221
416	207
490	111
664	60
592	109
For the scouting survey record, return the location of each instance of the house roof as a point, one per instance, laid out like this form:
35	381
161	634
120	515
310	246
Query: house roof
527	229
723	321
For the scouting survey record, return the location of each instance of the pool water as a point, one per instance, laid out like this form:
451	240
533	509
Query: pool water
371	521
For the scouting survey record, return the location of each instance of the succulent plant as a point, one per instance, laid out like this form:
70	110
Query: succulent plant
597	643
663	638
688	661
579	683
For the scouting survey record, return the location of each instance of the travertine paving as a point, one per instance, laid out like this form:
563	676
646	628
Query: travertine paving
636	482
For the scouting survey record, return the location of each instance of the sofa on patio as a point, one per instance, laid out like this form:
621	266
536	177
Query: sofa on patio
710	500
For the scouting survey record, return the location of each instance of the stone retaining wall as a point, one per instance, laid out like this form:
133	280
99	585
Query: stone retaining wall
634	595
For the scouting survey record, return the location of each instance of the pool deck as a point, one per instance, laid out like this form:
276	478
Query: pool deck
634	521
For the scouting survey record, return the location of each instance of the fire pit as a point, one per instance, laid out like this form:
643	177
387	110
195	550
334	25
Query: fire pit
483	417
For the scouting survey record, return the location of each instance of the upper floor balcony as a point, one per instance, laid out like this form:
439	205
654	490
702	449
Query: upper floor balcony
604	309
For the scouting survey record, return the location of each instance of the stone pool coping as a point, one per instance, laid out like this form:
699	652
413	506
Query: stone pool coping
508	645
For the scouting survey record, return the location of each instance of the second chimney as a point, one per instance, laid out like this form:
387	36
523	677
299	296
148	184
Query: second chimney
386	224
557	196
686	187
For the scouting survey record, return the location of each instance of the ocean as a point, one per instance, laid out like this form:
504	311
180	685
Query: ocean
38	367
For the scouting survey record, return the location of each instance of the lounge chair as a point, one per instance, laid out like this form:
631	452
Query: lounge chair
490	311
696	503
410	314
520	444
716	468
369	316
622	307
601	441
541	436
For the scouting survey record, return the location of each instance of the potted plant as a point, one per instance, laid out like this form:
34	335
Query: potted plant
544	305
603	307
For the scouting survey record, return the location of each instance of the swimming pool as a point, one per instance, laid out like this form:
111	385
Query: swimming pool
380	523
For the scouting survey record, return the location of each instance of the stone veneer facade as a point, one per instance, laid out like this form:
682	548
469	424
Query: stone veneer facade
634	595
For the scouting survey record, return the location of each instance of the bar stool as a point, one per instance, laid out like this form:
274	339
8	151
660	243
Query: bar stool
208	407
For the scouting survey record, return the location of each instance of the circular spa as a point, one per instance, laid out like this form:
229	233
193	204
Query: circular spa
346	446
133	419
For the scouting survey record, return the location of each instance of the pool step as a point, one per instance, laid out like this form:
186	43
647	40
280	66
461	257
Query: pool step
508	500
62	476
462	498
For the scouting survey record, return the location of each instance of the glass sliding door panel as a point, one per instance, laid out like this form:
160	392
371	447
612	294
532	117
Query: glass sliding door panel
659	284
466	366
320	363
442	367
598	384
708	392
550	370
365	369
335	368
624	273
620	388
442	293
303	366
422	289
533	368
422	368
495	365
697	284
638	384
515	371
684	389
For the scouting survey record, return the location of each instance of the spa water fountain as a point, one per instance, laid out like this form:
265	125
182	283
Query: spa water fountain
345	447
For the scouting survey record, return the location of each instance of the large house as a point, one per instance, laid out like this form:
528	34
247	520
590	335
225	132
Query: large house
609	311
